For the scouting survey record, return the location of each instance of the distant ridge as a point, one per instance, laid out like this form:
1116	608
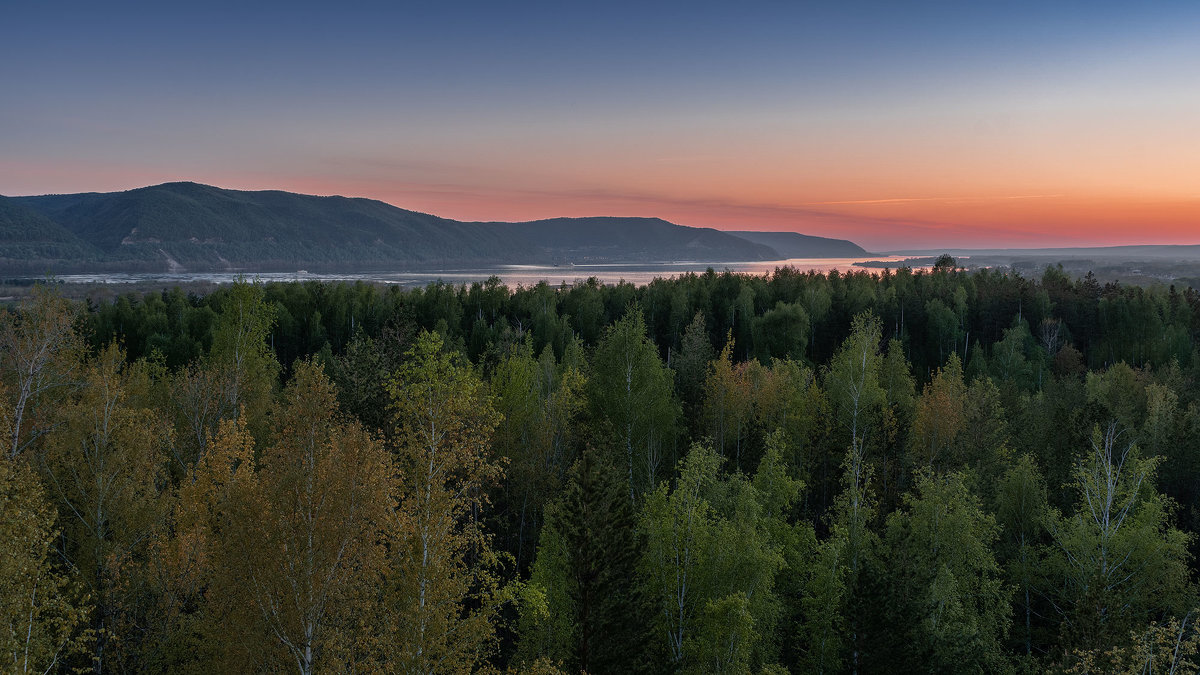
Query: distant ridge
199	228
794	245
1127	252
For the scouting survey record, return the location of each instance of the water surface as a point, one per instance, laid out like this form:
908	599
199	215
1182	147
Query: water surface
511	275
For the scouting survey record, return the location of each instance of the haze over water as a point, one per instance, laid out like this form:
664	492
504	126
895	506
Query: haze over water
511	275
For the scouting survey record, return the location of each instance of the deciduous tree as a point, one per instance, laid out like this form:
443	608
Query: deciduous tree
443	588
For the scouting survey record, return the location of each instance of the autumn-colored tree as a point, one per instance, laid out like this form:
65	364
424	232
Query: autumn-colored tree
443	587
728	404
939	417
201	615
1172	646
105	466
312	536
41	614
39	355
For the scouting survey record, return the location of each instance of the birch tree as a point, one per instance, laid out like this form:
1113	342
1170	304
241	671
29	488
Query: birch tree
631	394
39	352
1119	561
443	587
312	535
41	613
105	467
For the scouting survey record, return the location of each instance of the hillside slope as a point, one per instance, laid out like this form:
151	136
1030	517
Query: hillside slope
193	227
795	245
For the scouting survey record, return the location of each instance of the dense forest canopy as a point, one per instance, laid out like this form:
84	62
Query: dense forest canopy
717	473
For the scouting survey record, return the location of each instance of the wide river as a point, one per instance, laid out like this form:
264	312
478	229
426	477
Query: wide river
511	275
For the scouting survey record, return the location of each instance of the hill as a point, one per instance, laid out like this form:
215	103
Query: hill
193	227
31	242
794	245
632	239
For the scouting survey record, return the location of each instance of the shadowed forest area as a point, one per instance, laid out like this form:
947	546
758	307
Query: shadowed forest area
719	473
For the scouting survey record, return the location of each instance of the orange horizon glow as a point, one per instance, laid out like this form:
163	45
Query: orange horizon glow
877	221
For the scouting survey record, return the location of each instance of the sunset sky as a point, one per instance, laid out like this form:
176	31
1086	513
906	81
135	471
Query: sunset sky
896	125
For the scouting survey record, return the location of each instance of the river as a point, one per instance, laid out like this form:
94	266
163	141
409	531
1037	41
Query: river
512	275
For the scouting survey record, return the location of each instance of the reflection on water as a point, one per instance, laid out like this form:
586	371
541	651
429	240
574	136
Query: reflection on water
511	275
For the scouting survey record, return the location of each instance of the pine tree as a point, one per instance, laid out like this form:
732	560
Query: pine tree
592	548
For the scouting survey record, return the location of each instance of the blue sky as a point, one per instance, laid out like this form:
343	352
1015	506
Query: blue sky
941	123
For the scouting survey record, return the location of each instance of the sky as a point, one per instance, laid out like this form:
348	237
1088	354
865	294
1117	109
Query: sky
896	125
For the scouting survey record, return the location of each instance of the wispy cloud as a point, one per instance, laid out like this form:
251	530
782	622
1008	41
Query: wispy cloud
949	200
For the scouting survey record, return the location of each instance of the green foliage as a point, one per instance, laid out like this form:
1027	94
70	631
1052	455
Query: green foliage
632	401
781	332
947	591
709	566
596	618
847	529
1022	514
1121	560
852	381
444	587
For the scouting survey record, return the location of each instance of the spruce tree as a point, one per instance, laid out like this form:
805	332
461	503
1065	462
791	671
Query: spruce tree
589	577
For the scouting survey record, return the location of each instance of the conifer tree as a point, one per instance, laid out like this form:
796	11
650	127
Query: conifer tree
587	569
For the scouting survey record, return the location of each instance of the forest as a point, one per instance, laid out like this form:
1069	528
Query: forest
914	471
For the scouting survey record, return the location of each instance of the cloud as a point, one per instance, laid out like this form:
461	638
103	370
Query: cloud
948	200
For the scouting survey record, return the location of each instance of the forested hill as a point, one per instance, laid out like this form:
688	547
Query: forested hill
192	227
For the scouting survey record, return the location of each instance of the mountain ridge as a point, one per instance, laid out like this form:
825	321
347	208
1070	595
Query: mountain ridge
796	245
186	226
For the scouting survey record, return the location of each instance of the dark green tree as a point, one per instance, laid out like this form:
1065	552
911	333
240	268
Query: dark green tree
587	570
